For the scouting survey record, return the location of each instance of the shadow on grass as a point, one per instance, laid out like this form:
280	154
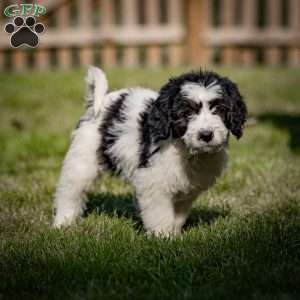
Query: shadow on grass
205	215
289	122
123	205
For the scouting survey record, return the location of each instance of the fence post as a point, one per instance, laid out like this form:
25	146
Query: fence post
85	19
130	19
2	57
153	52
196	20
294	13
86	55
229	53
108	55
175	19
19	59
64	55
249	13
42	59
272	54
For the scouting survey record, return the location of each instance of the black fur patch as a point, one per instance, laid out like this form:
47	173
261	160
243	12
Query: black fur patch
145	136
168	115
171	111
112	115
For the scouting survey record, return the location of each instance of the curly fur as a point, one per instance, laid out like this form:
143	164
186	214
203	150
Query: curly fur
170	145
166	117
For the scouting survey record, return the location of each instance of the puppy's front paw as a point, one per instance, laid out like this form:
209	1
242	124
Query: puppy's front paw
161	234
62	221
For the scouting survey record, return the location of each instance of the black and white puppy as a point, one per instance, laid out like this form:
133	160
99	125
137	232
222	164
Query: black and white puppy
170	145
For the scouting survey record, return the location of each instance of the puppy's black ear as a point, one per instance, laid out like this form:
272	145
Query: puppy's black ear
236	108
160	114
159	122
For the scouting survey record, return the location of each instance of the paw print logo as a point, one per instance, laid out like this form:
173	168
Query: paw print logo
24	32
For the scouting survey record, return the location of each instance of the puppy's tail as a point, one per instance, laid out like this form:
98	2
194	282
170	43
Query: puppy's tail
97	87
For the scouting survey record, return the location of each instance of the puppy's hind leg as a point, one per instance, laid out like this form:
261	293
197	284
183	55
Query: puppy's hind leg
80	166
80	169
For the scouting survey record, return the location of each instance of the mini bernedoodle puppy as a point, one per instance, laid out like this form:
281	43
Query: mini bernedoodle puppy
170	145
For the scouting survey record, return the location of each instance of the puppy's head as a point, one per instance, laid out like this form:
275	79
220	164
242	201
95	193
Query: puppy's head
201	108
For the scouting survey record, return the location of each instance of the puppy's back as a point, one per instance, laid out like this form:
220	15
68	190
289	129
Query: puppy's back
120	129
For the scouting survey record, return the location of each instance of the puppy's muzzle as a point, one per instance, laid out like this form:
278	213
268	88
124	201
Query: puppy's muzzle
205	136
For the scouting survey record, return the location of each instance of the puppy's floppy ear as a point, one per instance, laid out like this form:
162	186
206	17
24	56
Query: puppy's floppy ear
236	108
160	115
159	122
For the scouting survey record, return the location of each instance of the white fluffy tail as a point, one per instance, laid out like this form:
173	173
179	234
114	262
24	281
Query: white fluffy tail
97	87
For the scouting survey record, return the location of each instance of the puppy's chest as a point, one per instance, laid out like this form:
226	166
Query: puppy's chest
200	172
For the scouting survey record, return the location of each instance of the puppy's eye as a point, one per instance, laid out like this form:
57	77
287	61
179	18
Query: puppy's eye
213	105
199	106
195	107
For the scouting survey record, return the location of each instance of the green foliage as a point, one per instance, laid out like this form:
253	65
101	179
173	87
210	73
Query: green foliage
242	239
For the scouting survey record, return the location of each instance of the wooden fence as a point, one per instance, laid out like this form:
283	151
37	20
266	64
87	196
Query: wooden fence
160	32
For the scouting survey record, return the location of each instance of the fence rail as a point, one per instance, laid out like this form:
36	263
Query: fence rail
155	32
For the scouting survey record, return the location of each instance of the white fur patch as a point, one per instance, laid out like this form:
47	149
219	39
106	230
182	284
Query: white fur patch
200	93
166	188
97	87
127	147
79	170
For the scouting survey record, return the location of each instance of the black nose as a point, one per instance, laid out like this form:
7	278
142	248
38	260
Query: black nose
205	135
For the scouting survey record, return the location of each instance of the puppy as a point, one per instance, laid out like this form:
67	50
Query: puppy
171	145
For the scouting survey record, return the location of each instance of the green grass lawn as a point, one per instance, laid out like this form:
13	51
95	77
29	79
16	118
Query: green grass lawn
242	240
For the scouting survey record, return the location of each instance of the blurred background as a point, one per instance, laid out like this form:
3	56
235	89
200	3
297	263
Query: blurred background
242	240
160	32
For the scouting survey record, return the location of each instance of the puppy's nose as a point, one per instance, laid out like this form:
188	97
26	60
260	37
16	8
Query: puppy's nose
205	135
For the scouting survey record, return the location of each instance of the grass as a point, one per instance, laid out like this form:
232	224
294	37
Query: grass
242	240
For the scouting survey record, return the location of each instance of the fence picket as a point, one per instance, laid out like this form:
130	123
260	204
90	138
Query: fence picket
227	10
42	59
248	20
85	13
162	37
108	55
153	55
207	51
1	10
2	60
272	54
175	55
195	30
85	22
19	60
294	14
153	51
86	56
130	21
64	55
230	55
248	56
174	18
228	52
63	16
108	51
